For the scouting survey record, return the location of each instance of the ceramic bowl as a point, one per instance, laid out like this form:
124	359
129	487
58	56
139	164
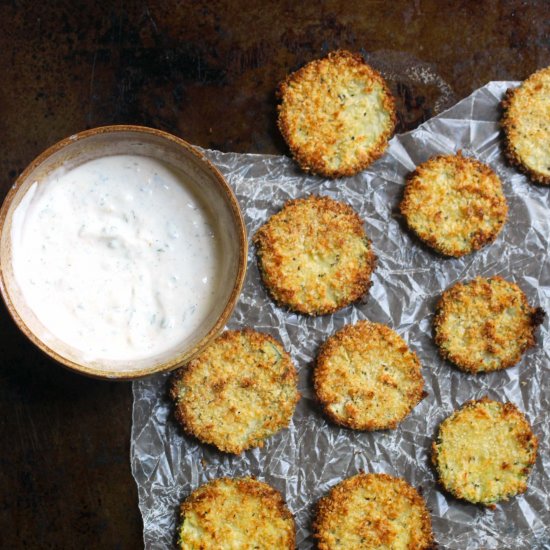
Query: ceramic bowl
177	154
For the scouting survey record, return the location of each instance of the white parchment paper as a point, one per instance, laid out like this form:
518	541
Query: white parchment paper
304	461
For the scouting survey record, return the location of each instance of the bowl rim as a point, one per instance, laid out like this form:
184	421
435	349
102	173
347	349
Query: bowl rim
218	326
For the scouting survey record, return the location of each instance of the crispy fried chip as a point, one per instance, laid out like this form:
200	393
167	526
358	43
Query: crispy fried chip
485	324
240	390
373	511
484	452
526	124
231	514
454	204
336	114
367	378
314	255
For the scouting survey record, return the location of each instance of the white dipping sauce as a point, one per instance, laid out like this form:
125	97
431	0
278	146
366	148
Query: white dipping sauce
117	257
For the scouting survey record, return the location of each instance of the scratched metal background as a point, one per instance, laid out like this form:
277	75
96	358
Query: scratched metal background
205	71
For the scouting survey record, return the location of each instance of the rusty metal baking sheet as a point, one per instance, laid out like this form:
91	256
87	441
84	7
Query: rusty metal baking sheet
304	461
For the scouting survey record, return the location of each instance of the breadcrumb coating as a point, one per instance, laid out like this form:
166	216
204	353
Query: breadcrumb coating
237	392
485	324
454	204
366	377
336	115
236	514
484	452
314	255
375	511
526	124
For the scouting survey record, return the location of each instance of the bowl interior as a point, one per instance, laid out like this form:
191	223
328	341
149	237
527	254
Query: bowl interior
208	185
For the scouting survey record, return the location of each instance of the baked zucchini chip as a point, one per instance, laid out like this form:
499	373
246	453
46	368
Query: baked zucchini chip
454	204
234	514
526	124
336	115
314	255
375	511
236	393
367	378
484	452
485	324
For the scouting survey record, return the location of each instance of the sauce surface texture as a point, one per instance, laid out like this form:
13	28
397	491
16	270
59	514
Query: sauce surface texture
116	257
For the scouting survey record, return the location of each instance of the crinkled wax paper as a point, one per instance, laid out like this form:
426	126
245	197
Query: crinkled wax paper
304	461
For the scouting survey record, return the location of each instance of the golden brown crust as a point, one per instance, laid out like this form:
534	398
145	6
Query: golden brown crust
526	124
336	114
314	255
454	204
366	377
484	452
240	390
373	511
485	324
236	513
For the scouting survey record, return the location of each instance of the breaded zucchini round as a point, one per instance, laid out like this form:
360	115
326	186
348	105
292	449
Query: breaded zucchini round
485	324
373	511
240	390
366	377
526	124
484	452
336	115
236	514
454	204
314	255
